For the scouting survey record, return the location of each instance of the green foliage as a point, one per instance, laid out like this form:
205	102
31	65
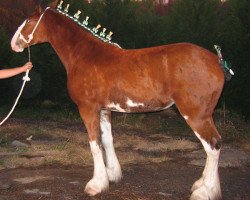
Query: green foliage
193	21
4	48
235	39
137	25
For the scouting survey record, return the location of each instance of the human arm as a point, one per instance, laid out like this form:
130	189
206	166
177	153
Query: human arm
7	73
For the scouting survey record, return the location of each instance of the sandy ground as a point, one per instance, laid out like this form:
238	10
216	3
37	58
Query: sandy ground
164	167
166	180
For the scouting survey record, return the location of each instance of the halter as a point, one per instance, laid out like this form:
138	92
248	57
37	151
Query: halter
30	36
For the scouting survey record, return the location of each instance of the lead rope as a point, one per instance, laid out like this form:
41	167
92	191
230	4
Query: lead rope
25	79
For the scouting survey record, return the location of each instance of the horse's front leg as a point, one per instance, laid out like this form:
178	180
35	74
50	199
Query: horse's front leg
99	182
112	163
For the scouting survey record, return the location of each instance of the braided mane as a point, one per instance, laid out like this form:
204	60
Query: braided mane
94	31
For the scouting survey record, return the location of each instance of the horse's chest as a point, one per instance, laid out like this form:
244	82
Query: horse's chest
84	88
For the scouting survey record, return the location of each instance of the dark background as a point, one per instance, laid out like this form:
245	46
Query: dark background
135	25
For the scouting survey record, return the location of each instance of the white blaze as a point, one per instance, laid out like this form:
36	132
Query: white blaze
14	46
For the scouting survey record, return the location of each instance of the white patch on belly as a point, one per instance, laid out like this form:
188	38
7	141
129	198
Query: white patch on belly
115	107
168	106
130	103
185	117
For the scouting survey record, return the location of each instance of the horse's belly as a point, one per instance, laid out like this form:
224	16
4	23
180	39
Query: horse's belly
130	106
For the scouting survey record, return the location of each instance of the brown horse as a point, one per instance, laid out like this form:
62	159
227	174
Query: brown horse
102	78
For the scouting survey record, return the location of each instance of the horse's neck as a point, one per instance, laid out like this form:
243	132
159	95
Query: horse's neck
70	41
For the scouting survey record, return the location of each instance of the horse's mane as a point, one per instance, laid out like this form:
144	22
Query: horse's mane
94	31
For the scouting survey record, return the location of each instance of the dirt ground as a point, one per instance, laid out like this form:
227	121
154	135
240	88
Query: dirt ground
169	180
148	179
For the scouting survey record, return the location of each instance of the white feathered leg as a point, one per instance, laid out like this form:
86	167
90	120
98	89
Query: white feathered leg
112	164
208	186
99	182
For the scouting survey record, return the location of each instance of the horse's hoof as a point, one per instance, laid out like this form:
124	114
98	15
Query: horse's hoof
91	191
204	193
95	187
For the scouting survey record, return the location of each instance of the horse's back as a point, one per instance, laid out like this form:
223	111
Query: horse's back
180	66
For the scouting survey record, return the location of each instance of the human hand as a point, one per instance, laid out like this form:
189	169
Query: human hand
27	66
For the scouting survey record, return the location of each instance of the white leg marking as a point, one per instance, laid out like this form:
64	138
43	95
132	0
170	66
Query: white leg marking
99	182
15	37
115	107
130	103
113	166
208	186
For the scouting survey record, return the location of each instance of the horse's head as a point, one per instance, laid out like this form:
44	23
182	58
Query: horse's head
31	31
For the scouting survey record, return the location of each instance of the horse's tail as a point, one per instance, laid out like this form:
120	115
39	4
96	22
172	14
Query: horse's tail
226	66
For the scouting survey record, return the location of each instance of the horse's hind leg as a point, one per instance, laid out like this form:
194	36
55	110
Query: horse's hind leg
112	163
196	100
208	186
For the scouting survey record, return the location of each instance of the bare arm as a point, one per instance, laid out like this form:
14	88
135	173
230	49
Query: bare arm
6	73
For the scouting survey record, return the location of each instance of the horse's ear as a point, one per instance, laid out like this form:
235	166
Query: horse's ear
47	3
53	3
43	5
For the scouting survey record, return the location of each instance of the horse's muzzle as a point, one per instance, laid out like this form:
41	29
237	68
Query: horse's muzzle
17	46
